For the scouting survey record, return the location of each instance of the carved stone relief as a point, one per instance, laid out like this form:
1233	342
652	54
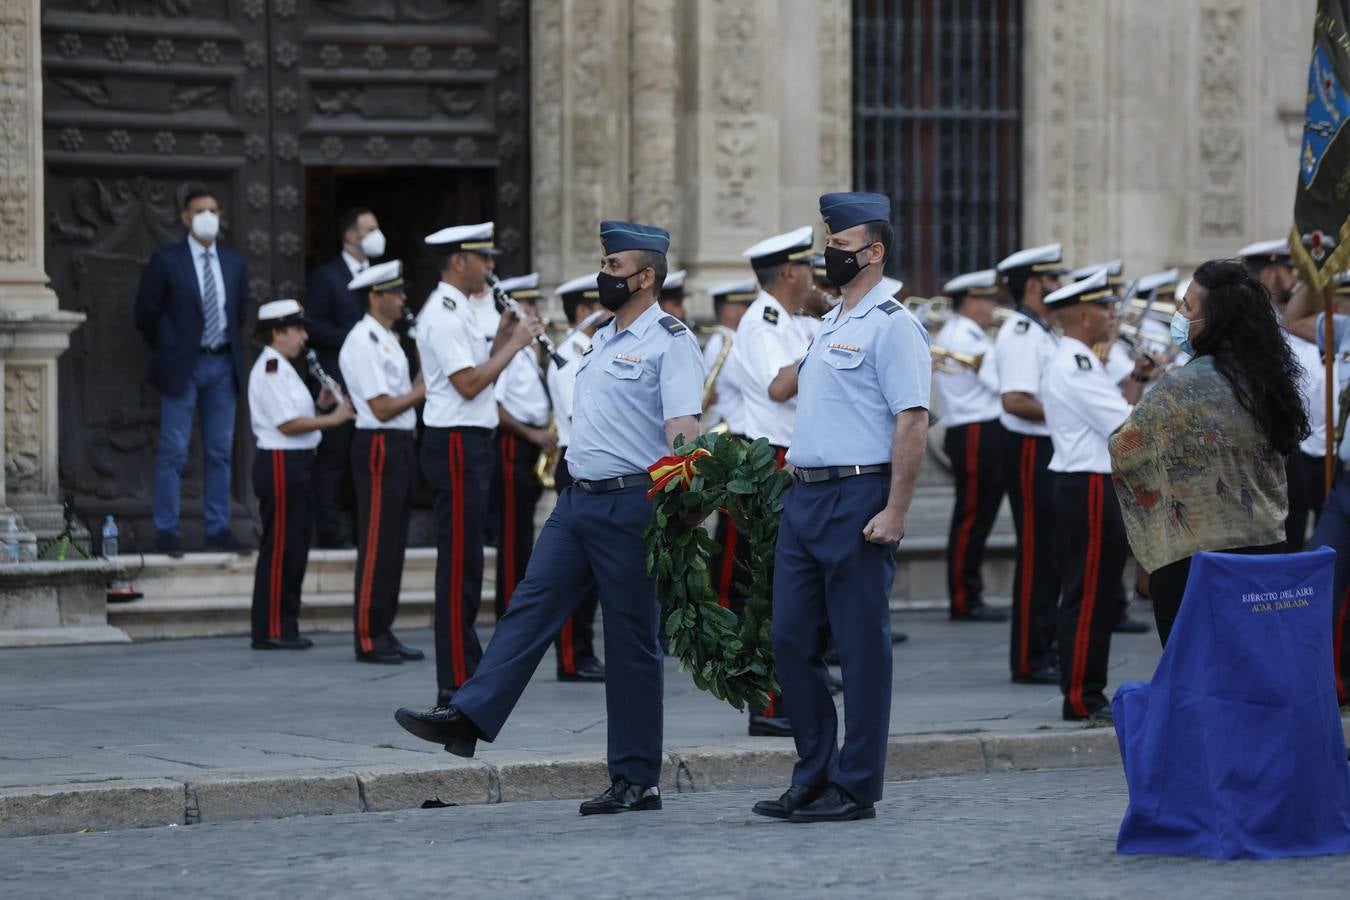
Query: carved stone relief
736	95
15	142
546	40
23	428
1222	101
654	69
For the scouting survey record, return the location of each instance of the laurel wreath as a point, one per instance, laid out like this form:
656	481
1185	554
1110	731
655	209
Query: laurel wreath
729	656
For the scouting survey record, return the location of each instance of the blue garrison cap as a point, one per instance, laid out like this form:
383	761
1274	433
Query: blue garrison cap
849	208
616	236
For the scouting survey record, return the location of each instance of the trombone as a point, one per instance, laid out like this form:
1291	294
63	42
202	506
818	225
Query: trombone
954	362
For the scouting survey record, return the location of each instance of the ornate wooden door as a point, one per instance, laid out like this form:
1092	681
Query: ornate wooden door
141	96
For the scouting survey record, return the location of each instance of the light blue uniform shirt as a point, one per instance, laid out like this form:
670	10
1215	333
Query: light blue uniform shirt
863	369
627	386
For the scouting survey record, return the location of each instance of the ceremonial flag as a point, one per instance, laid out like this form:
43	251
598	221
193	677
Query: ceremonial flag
1320	240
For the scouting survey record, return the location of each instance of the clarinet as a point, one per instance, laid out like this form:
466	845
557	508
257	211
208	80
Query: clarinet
323	377
503	302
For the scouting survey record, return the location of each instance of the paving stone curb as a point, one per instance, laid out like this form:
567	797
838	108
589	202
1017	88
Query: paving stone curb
509	777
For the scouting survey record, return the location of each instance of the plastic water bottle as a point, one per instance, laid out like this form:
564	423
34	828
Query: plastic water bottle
12	540
109	537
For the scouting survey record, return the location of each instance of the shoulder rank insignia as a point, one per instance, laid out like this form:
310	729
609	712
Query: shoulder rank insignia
889	307
587	351
1021	327
770	315
1083	362
374	338
672	324
448	302
271	365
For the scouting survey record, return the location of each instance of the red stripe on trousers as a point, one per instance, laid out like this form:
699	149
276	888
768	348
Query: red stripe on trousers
569	665
508	456
278	542
727	577
372	542
456	461
1027	479
968	518
1337	642
1091	570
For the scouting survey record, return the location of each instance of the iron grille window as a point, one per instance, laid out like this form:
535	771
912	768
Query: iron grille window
937	107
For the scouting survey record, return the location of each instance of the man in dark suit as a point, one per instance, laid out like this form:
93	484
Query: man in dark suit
331	310
191	307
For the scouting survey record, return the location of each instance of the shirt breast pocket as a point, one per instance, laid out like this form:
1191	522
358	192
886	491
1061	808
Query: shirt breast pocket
844	373
624	370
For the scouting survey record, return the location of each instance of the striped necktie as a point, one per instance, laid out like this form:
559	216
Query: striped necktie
213	323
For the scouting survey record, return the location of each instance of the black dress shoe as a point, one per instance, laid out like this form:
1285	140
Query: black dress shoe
623	797
982	613
836	685
1126	625
445	696
770	726
381	657
1046	675
793	799
898	637
1101	716
833	805
225	540
168	542
300	643
592	670
412	654
443	725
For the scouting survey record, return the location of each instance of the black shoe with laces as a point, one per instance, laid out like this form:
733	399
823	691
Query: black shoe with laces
621	797
793	799
833	805
443	725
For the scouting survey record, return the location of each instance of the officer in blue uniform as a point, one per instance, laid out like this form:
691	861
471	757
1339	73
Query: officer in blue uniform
862	424
637	389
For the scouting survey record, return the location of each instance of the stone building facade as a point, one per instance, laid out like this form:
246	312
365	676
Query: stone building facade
1166	133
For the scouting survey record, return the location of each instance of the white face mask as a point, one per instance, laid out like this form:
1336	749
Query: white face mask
205	226
372	245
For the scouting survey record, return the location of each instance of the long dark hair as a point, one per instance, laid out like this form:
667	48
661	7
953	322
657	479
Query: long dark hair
1243	336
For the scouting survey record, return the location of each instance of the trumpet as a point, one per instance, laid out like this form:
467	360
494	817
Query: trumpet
954	362
504	301
328	381
546	467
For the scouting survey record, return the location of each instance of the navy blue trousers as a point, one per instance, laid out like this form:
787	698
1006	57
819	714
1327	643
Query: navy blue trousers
1333	530
587	536
828	580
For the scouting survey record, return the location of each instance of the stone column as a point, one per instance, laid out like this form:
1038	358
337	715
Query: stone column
33	330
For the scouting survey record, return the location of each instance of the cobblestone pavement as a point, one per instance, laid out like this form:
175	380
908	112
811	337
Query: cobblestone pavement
1032	835
187	708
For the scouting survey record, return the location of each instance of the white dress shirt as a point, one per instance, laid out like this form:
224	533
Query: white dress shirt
373	364
967	396
562	382
730	403
520	389
276	395
1083	406
198	254
767	339
448	342
354	265
1312	390
1022	348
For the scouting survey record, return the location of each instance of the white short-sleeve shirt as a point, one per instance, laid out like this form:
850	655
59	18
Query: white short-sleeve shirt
1083	407
520	389
373	364
277	395
966	396
448	342
1022	348
767	339
562	382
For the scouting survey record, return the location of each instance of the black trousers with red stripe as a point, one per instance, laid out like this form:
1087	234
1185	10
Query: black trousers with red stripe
1093	549
382	474
977	452
575	644
457	463
516	493
1031	491
283	484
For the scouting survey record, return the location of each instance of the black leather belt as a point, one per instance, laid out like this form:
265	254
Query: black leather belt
614	484
834	473
216	351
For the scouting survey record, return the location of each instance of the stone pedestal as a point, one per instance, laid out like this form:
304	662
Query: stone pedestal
44	603
33	330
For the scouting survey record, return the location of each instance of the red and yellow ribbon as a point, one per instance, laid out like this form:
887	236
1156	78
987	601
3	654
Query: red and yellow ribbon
668	468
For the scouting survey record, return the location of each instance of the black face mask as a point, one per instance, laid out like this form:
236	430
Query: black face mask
614	292
841	266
